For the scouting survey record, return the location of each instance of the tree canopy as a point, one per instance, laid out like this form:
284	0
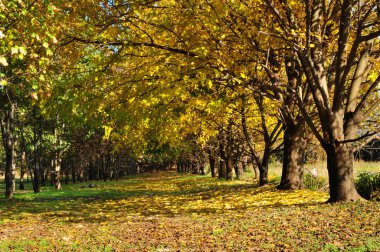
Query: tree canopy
112	83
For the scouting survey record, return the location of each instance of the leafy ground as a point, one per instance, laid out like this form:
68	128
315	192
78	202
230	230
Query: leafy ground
170	212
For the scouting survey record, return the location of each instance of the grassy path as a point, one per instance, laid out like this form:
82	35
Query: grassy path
168	212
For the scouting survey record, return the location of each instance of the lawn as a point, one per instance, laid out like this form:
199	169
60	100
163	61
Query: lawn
166	211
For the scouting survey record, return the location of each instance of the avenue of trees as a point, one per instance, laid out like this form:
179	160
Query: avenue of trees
98	89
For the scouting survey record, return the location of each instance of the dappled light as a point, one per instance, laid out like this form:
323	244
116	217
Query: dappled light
189	125
167	210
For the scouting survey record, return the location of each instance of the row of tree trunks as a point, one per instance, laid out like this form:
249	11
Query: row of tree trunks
191	167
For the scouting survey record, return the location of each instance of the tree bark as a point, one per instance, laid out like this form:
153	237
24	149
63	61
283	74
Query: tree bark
212	165
255	168
37	159
341	175
239	170
23	170
222	169
57	170
7	131
293	159
229	167
263	179
263	167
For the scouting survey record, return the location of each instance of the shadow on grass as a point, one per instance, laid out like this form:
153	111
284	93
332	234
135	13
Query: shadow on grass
166	194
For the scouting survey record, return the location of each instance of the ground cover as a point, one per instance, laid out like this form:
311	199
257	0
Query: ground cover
169	212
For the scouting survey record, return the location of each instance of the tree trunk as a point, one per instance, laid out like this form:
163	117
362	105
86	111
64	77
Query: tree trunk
255	169
7	131
37	159
105	168
73	171
23	170
195	168
10	168
239	170
97	170
44	176
222	169
263	168
229	167
263	176
293	159
57	171
341	175
25	162
179	168
212	165
202	169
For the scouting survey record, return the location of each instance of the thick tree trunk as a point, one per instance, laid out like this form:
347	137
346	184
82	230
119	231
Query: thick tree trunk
10	168
293	160
212	165
36	181
222	169
263	179
239	170
229	167
263	168
341	175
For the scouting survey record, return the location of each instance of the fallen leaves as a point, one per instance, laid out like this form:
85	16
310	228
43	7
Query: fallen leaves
167	212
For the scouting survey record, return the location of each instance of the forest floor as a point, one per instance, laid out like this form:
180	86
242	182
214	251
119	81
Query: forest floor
166	211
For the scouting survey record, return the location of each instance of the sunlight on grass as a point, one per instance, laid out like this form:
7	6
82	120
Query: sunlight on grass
145	213
171	194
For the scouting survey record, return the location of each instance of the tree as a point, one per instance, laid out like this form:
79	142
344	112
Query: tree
337	45
24	55
266	133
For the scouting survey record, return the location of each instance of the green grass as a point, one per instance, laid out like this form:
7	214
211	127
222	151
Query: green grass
275	169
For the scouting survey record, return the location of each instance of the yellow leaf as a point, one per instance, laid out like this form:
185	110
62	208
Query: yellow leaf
3	61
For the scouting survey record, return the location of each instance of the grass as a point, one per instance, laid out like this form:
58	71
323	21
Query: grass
170	212
321	168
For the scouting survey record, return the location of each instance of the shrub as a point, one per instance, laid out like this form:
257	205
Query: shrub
367	184
314	182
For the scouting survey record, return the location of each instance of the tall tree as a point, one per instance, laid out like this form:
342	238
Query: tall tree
337	44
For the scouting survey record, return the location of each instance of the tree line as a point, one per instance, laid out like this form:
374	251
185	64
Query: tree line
92	87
